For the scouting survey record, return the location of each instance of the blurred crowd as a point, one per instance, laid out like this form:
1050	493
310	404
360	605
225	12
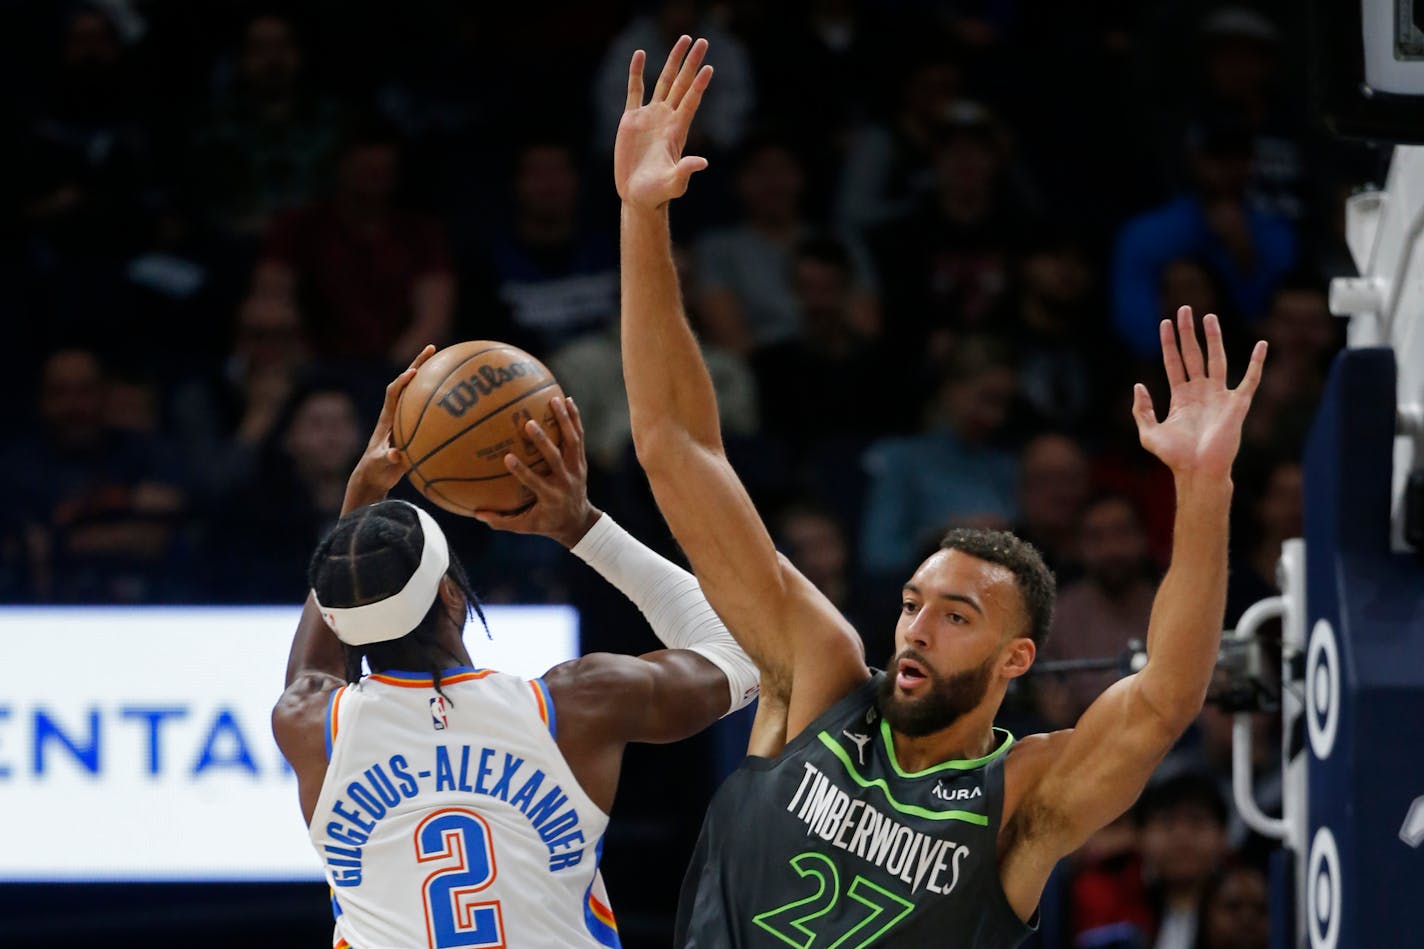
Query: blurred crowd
927	262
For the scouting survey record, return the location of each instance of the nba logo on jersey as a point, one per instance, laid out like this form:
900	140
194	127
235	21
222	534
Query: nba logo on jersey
437	713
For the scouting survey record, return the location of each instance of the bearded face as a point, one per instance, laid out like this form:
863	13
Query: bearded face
917	701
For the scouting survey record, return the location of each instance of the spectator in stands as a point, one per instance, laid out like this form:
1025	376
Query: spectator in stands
266	532
1054	486
945	266
1303	337
1064	340
1235	910
590	369
1097	616
723	116
841	43
224	421
555	277
102	504
815	541
1183	835
888	167
748	292
1242	83
268	141
1248	250
1209	749
1270	510
373	278
803	380
1182	839
83	178
950	472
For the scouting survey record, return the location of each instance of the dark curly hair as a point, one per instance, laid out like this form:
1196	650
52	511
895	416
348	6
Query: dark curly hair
369	555
1032	576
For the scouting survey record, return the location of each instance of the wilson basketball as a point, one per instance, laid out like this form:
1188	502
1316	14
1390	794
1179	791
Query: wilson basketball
462	413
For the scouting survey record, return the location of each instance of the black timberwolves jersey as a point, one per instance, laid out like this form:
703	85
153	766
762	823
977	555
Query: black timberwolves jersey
832	844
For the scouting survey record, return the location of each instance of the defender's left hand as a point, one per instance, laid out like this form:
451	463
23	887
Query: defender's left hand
649	167
1202	431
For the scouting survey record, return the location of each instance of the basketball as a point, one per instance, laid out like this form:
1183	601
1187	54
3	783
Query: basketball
462	413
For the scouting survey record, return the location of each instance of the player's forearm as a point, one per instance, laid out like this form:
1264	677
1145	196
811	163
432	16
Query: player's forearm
1184	634
670	395
315	647
671	600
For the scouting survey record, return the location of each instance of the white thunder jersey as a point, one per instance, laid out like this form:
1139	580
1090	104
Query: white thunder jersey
455	823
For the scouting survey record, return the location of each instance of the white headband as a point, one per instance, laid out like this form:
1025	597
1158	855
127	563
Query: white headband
401	612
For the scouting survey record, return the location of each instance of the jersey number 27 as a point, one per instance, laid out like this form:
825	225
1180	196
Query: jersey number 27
460	840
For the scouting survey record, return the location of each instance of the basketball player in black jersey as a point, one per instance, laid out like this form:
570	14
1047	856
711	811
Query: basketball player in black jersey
895	813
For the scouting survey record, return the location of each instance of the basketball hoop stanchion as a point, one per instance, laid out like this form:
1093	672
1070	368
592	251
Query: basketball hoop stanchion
1241	774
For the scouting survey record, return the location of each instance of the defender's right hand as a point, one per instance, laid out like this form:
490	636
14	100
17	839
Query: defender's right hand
648	165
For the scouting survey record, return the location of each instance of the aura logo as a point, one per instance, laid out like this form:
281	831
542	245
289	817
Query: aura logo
946	793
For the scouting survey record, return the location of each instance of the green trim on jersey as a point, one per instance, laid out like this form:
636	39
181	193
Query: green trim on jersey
967	816
965	765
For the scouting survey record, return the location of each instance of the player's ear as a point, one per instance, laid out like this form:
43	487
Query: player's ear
1018	657
451	594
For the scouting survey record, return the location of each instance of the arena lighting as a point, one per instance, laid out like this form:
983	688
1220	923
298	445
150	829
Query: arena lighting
135	744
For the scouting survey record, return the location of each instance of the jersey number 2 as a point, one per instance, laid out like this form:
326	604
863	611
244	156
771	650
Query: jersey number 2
461	839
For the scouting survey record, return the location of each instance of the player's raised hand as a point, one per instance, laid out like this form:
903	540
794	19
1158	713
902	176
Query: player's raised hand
560	509
649	167
1202	430
381	465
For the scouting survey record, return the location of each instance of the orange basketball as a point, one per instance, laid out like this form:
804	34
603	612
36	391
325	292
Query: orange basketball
462	413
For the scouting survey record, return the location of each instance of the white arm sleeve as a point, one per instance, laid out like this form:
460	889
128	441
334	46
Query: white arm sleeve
672	601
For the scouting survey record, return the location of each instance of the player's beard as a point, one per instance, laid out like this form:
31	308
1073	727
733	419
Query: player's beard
948	699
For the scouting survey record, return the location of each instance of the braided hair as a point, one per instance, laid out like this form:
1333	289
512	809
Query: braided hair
370	555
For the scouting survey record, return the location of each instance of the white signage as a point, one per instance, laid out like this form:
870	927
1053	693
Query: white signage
135	744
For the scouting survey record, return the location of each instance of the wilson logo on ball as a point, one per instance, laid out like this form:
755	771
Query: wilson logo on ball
466	393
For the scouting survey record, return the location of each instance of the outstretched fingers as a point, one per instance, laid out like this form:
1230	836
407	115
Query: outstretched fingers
1171	354
687	108
1252	379
1142	410
687	74
1191	349
635	81
1215	349
670	68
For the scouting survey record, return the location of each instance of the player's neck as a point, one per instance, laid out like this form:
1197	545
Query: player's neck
971	737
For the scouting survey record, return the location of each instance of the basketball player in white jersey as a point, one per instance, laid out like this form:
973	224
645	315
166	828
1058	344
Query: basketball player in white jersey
455	807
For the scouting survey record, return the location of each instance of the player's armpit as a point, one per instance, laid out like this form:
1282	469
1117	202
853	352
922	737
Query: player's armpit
1085	778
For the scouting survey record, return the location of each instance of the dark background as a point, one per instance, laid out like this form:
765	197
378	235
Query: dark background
927	261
